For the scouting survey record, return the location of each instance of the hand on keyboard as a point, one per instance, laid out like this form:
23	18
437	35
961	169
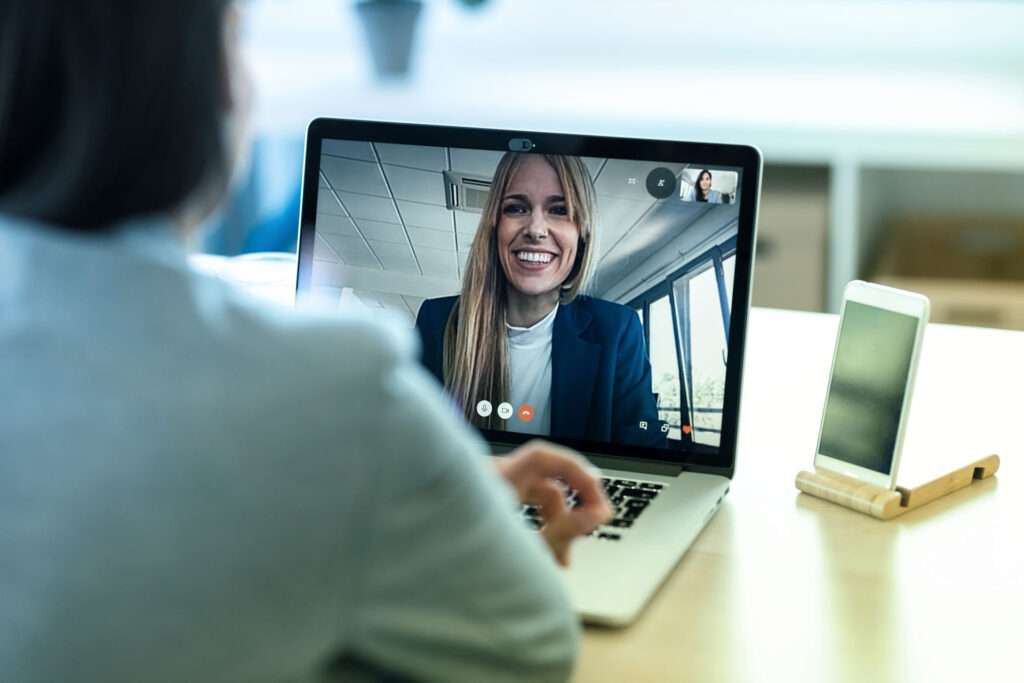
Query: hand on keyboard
540	472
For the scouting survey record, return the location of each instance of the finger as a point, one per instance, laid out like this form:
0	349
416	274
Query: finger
545	459
558	543
563	529
550	497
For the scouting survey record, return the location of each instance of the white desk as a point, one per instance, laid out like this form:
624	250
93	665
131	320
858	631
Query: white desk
782	586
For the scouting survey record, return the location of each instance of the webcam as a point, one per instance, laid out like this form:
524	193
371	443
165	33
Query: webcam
520	145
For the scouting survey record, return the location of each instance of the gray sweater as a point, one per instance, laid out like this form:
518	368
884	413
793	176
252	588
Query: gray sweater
195	488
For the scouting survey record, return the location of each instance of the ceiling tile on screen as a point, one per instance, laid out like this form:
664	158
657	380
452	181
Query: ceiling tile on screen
437	239
350	175
475	161
593	165
615	217
338	225
437	262
466	222
382	232
322	251
353	149
368	298
327	203
414	156
425	215
370	208
353	251
393	302
395	257
416	185
413	302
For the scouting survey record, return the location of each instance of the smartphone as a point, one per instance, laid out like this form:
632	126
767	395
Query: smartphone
871	382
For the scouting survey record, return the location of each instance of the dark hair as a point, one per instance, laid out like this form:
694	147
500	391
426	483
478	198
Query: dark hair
109	110
698	194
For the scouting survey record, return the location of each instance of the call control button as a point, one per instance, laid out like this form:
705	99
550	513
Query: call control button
661	183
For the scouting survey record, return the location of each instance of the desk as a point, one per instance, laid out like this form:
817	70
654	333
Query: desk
785	587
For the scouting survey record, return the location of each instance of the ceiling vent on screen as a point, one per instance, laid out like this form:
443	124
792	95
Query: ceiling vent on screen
465	192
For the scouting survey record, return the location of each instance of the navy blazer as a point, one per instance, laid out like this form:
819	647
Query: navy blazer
600	373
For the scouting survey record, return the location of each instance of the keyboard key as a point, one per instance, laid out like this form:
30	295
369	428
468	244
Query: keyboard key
624	482
533	522
622	523
610	537
652	486
637	503
632	513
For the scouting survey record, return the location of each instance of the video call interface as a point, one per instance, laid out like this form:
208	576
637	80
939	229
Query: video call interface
568	297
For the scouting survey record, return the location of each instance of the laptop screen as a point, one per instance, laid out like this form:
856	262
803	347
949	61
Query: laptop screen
584	298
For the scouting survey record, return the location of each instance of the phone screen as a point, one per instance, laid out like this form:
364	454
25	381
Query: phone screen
869	381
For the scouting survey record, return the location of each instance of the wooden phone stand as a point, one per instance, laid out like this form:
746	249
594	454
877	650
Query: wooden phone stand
883	503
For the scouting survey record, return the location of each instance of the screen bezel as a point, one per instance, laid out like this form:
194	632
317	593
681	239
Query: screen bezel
747	158
887	299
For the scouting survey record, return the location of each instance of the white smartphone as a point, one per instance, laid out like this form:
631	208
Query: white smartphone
871	382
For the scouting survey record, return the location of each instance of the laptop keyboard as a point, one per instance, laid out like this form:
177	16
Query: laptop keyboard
629	499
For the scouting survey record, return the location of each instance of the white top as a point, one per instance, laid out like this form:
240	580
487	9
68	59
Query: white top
196	489
530	373
714	196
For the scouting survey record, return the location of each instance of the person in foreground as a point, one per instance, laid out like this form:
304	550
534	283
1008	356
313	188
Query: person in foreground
196	489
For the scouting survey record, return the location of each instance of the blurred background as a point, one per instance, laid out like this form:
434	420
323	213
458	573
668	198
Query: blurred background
892	132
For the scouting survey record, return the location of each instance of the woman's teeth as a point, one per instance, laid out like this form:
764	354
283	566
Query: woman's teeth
534	256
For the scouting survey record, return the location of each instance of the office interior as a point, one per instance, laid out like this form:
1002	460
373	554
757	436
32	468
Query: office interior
893	144
879	122
391	233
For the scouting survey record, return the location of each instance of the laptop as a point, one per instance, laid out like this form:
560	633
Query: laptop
589	290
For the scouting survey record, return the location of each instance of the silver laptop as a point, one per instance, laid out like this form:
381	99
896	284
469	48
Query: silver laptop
589	290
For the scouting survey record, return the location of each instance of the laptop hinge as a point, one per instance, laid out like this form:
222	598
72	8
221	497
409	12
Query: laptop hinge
665	469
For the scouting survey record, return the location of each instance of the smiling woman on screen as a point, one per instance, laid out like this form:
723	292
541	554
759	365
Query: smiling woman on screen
522	333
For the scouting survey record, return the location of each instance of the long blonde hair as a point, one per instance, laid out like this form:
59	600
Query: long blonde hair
476	364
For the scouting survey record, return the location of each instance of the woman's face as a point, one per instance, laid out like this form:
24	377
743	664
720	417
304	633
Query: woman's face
536	240
705	182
